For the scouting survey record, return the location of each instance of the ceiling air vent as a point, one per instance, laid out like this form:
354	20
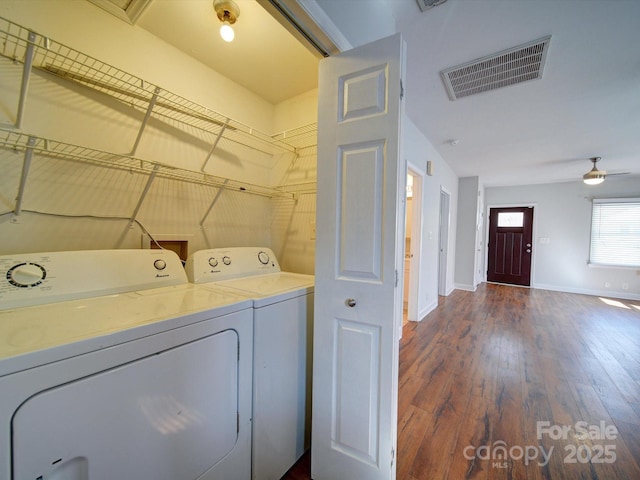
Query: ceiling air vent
509	67
127	10
427	4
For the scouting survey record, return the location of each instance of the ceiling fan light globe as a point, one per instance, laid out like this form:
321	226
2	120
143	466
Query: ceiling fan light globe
593	178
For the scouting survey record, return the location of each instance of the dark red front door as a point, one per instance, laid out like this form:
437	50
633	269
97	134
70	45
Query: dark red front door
510	235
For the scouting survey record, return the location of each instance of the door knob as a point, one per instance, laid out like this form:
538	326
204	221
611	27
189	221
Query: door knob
350	302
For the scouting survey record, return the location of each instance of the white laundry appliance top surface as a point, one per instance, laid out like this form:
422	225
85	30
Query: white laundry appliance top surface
39	334
276	286
254	270
58	330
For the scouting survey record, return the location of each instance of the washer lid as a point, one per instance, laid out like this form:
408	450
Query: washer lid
270	288
33	336
272	283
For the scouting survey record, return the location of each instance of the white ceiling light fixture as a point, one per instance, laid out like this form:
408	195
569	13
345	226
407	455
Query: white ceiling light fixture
228	12
594	176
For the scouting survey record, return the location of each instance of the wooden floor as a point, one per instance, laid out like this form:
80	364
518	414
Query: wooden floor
516	383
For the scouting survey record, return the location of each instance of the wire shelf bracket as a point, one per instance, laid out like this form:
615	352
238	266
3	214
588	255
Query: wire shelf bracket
145	121
26	75
215	145
215	200
143	195
26	166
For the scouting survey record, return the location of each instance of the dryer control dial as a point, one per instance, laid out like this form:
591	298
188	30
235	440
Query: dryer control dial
226	260
160	264
213	261
26	275
263	258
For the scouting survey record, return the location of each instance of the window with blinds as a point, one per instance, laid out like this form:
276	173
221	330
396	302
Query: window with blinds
615	232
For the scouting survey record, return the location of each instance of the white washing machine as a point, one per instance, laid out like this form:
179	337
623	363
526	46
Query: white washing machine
283	329
113	366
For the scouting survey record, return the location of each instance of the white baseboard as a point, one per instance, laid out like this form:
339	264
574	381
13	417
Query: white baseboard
587	291
427	310
462	286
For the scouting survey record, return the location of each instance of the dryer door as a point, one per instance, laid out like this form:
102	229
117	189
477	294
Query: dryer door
169	416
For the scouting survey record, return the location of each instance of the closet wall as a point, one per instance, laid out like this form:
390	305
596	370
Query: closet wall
293	222
77	204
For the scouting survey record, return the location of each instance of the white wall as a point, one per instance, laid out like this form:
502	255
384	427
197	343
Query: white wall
467	233
295	112
293	221
562	214
360	21
417	150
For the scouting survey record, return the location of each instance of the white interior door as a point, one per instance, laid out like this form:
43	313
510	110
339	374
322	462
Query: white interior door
359	263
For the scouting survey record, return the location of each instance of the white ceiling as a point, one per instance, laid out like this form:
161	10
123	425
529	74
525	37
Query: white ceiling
263	57
587	103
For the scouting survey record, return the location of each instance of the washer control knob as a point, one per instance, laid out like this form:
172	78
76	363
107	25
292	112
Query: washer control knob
213	261
263	258
160	264
26	275
226	260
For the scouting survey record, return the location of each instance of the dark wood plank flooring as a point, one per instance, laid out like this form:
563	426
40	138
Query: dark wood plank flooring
493	385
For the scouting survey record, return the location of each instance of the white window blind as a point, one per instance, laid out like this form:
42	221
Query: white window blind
615	232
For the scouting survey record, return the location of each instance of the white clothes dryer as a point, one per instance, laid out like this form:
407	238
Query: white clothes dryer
283	329
113	366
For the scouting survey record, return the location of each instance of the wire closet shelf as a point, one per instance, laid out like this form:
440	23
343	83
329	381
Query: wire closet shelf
22	45
21	143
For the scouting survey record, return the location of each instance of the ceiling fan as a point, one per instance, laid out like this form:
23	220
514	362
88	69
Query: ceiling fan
595	176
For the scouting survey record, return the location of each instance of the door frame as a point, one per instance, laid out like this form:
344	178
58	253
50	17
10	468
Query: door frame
444	228
533	236
416	240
